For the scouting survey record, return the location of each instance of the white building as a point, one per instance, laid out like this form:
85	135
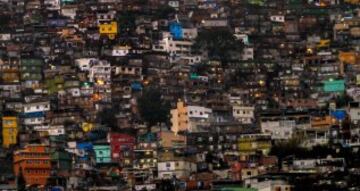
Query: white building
53	130
105	17
268	184
209	23
190	33
177	168
30	121
354	111
120	51
175	47
248	53
174	4
277	18
186	118
100	72
52	4
69	11
128	70
84	64
244	114
38	106
283	129
198	112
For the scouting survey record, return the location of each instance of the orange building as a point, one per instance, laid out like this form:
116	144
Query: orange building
322	122
34	161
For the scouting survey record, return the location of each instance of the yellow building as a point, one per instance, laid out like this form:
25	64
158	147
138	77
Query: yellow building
179	118
109	29
323	43
170	140
9	130
252	143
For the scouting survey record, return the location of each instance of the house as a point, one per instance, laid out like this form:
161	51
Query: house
105	16
283	124
244	114
31	72
248	53
122	148
169	167
69	11
321	165
33	162
254	143
109	30
277	18
146	154
36	106
249	172
168	44
34	112
10	128
120	51
102	153
215	23
317	134
354	111
61	161
186	118
264	183
171	140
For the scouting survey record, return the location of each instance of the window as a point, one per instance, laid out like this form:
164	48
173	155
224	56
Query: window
168	165
177	164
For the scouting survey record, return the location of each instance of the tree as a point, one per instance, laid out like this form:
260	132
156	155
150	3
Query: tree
152	108
220	44
163	12
4	20
343	100
286	149
107	117
126	21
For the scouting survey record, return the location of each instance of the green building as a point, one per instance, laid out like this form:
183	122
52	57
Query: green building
102	153
61	160
55	84
31	69
333	86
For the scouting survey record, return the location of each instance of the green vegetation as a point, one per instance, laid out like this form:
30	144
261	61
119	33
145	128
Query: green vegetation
220	44
152	108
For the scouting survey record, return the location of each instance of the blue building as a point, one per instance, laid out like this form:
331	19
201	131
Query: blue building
176	30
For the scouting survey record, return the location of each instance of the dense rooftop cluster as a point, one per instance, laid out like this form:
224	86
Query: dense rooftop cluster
165	95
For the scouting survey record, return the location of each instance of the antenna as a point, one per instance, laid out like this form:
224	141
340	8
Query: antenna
176	17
